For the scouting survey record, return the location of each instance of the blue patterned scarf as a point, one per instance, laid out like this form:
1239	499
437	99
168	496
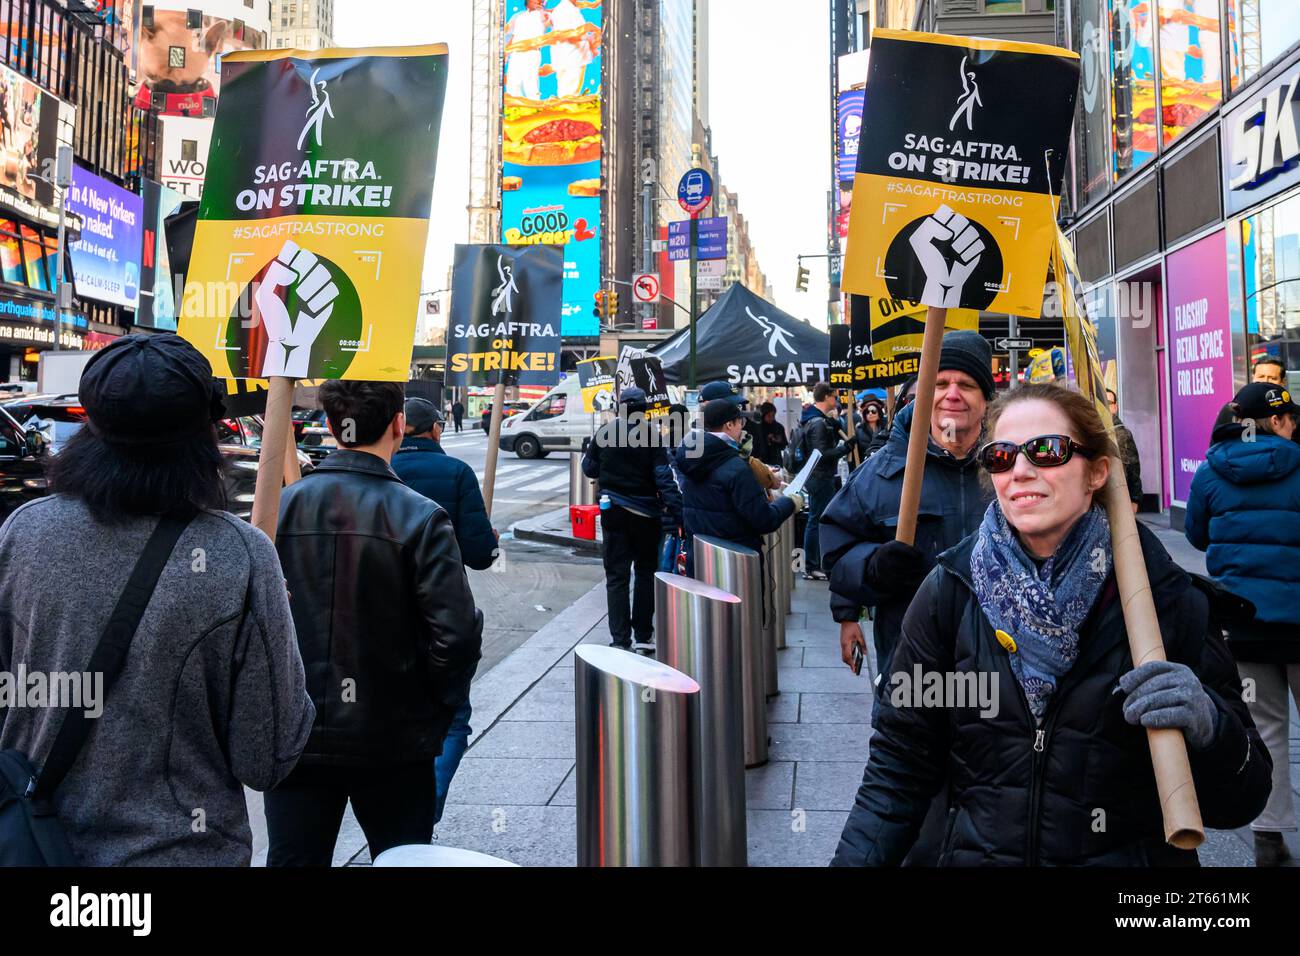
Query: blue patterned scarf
1041	608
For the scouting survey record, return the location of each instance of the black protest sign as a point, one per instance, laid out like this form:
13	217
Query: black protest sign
638	368
505	315
841	363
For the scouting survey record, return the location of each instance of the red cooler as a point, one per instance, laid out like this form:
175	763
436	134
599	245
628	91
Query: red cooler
583	520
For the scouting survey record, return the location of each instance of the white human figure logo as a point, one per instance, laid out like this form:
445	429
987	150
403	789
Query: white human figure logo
319	109
289	343
943	279
502	294
969	99
773	333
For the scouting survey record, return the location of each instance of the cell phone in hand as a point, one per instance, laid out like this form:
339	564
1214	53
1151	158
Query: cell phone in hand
857	659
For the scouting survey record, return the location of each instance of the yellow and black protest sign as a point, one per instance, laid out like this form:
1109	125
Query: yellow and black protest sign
505	315
309	248
960	162
596	377
898	325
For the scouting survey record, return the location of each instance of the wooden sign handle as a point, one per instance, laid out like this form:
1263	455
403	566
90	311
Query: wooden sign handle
919	438
277	427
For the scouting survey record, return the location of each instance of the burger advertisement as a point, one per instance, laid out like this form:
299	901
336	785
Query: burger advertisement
551	142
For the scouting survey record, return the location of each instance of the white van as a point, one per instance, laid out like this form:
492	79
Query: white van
556	423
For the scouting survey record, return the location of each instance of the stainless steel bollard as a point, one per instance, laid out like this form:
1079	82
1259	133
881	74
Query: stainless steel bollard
636	729
780	596
582	490
787	552
769	617
733	568
699	634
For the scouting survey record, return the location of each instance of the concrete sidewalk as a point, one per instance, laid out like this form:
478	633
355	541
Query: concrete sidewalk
514	795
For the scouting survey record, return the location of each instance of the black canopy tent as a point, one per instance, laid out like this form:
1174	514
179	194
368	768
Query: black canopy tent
746	340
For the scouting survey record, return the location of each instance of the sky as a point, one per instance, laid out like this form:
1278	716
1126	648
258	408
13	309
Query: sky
779	169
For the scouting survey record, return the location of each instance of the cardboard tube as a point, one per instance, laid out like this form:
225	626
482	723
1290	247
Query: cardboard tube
494	446
1173	772
276	430
919	437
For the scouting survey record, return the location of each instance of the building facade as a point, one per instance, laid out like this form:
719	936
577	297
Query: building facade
302	24
65	82
1184	206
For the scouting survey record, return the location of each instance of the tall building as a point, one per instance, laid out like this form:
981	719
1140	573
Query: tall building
302	24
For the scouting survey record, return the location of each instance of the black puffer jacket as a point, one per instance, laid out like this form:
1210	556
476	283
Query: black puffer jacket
1080	791
720	495
379	597
864	515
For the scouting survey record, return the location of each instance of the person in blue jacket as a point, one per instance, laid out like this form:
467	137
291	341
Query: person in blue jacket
720	495
1244	513
423	465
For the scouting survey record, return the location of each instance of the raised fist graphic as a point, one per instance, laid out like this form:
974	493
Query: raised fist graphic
944	279
289	347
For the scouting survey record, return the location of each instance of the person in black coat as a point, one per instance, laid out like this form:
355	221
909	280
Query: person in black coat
720	495
457	415
774	437
1014	679
389	635
639	502
867	567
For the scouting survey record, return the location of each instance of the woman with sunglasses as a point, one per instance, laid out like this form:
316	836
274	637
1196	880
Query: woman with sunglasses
871	423
1029	705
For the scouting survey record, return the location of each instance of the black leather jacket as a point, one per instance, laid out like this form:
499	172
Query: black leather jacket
386	623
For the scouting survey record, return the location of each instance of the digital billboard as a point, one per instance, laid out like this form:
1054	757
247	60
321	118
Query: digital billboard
180	50
32	125
551	143
158	304
106	259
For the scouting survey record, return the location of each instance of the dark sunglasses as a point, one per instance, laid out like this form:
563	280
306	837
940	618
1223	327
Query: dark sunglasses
1045	451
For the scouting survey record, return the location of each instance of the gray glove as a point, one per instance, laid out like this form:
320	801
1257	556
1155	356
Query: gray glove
1165	694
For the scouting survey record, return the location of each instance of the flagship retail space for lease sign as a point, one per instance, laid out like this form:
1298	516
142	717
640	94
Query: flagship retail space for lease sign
960	161
1200	351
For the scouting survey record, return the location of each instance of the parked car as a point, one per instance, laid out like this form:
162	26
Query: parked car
23	449
312	433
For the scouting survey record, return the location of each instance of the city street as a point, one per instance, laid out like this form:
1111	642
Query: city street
530	582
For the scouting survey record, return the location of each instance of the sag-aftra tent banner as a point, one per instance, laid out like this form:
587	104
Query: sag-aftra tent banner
959	171
309	248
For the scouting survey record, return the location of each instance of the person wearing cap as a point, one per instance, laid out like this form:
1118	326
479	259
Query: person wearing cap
422	464
212	696
867	567
639	502
1244	513
388	631
774	437
753	443
721	496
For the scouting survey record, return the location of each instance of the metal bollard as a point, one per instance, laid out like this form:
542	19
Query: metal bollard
636	730
733	568
699	634
787	553
582	490
769	617
780	596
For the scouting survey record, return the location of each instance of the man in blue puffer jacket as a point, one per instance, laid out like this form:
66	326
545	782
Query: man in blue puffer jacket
720	495
1244	513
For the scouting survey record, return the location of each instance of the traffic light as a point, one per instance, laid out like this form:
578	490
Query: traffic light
801	283
599	310
611	303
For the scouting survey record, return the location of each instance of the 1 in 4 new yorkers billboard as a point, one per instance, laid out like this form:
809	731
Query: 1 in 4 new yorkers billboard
551	142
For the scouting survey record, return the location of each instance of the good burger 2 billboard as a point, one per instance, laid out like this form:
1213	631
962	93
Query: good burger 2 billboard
551	143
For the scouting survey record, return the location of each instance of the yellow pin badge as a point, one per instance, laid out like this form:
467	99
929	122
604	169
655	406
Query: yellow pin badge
1006	640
